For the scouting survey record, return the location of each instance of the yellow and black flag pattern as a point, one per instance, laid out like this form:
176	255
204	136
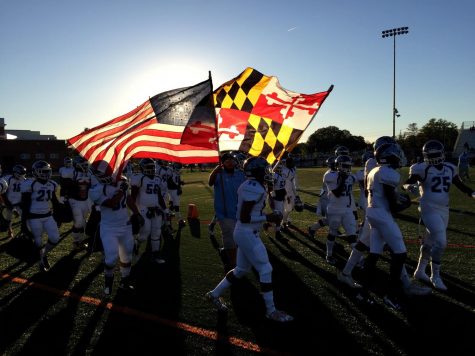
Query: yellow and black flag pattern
256	115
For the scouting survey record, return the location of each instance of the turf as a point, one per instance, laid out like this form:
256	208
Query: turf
63	312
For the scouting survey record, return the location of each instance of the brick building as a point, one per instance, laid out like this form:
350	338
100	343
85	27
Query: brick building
29	147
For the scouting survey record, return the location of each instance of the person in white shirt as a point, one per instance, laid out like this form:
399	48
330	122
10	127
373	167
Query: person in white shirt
12	195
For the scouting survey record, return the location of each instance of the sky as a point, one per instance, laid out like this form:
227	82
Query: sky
66	65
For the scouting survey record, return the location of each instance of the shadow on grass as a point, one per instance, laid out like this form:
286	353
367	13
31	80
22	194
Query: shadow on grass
158	292
38	311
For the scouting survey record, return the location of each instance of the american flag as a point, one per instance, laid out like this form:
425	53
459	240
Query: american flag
152	130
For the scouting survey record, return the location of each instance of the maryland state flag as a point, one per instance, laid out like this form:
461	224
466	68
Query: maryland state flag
256	115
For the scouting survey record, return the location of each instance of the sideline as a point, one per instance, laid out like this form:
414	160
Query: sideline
209	334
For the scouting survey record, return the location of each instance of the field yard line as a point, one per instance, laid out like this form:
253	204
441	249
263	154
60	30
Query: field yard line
209	334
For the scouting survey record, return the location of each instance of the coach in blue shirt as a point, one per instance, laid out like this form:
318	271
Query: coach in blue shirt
226	179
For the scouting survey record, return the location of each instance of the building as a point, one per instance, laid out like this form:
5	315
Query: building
29	147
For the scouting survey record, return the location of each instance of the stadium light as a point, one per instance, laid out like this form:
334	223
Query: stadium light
393	33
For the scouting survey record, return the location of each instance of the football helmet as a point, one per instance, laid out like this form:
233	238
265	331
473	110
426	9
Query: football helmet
342	151
381	141
343	164
80	164
289	162
148	167
42	170
68	162
277	168
257	168
390	154
19	171
101	174
330	162
239	157
433	152
366	156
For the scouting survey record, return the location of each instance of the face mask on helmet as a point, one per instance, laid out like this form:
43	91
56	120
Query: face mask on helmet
19	171
148	167
433	152
342	151
101	175
390	154
343	164
257	168
42	170
330	162
80	164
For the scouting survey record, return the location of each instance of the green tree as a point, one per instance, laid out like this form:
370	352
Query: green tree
326	139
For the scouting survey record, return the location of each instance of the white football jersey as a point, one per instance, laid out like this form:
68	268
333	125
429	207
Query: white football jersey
345	200
279	181
66	172
251	190
116	216
369	165
164	173
379	176
14	189
435	184
41	194
80	186
290	176
149	188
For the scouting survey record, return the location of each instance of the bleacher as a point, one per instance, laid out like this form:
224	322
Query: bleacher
465	137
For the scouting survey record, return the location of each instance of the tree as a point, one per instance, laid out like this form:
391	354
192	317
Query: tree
442	130
326	139
412	129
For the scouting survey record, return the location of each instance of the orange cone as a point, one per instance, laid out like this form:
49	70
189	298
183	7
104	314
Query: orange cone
194	221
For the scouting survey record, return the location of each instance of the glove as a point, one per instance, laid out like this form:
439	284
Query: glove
274	217
124	186
61	199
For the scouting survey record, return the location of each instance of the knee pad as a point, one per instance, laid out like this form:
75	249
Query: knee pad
231	277
125	264
108	267
239	272
265	273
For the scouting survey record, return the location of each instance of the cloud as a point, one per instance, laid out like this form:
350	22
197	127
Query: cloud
291	29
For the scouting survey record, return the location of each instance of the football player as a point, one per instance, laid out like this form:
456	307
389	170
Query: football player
116	226
12	195
339	184
174	184
252	195
147	194
38	199
289	173
384	200
434	177
65	177
323	201
363	243
278	194
163	171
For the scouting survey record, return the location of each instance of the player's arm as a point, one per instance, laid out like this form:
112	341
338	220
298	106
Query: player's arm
213	175
161	201
246	217
397	202
462	187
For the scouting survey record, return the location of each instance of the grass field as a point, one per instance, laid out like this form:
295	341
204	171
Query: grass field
63	312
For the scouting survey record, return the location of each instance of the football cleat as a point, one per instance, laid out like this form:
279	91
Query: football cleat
108	281
331	260
79	245
438	283
346	279
217	302
126	284
311	232
279	316
422	276
414	289
181	223
156	258
44	264
392	302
